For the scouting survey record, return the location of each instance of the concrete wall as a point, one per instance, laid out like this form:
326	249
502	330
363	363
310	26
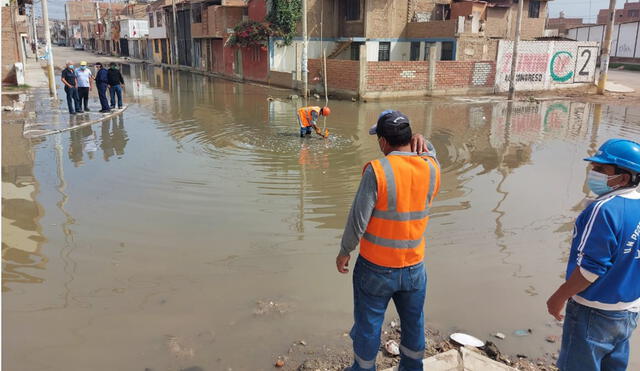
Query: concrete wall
625	39
134	28
432	29
545	65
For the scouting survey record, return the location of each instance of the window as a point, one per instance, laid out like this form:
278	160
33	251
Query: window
197	13
352	10
150	19
159	19
447	51
427	49
442	12
156	45
534	9
384	49
355	51
414	55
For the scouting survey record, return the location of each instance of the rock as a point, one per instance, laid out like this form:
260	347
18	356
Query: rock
551	339
279	363
392	348
492	350
499	335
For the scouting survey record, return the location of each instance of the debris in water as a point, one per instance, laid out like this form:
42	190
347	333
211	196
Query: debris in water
551	339
523	332
521	356
178	349
392	348
293	96
279	363
316	95
268	307
303	343
499	335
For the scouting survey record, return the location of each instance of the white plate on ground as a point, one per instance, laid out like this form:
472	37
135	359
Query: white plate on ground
464	339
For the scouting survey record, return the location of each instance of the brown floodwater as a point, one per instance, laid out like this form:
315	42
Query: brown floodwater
199	230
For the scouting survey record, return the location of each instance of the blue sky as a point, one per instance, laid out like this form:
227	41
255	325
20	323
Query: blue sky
572	8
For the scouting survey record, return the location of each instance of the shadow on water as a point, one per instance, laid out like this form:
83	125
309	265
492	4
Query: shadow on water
201	200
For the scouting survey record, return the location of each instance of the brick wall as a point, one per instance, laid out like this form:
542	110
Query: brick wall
465	74
397	76
405	76
10	52
342	74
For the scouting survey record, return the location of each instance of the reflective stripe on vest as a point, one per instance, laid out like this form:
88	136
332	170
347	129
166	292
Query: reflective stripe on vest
407	185
304	115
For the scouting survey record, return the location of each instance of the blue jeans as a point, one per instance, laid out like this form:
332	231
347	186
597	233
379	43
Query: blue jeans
595	339
116	89
373	287
102	94
305	131
73	100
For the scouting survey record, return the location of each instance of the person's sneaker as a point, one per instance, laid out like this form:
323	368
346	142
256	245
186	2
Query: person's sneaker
72	113
105	111
119	107
79	111
87	110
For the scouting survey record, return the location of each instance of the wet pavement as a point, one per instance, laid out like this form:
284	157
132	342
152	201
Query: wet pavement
198	230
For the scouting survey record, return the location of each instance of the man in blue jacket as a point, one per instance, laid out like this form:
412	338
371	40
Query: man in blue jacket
102	82
602	288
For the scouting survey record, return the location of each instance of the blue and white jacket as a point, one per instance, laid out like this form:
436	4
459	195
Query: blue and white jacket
606	249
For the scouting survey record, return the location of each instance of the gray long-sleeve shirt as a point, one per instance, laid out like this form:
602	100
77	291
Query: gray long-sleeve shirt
362	207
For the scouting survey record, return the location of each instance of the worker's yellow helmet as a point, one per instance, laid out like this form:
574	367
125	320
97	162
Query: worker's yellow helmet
83	63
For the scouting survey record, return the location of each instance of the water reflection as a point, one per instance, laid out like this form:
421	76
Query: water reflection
85	141
22	237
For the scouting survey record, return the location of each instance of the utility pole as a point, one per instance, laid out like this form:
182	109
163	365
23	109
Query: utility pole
606	47
49	49
514	53
175	33
193	61
305	50
35	30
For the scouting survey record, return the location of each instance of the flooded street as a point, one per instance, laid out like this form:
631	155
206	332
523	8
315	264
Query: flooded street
198	230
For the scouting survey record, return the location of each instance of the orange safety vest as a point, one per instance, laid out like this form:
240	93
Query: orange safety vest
407	185
304	115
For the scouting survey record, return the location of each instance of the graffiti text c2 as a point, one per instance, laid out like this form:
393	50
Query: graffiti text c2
560	63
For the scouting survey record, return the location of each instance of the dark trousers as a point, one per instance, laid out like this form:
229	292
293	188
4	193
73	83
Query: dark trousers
102	94
73	101
116	90
83	95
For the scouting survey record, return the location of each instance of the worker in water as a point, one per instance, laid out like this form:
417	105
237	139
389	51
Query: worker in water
602	287
308	119
388	219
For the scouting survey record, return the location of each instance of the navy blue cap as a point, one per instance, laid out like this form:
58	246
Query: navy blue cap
390	123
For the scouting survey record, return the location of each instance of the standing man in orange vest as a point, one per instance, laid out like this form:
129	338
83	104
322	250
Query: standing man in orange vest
308	118
388	219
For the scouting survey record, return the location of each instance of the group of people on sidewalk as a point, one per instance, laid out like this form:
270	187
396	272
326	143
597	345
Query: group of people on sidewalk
389	216
78	83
